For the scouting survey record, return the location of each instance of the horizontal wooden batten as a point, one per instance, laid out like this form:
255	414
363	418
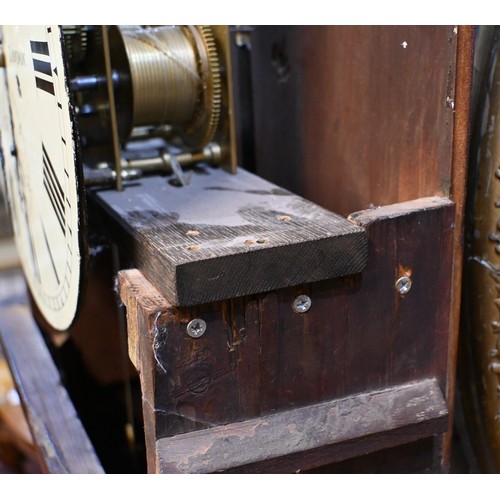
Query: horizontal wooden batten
226	236
314	435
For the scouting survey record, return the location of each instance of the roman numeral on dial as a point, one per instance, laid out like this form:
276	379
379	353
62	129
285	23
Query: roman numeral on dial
43	70
54	190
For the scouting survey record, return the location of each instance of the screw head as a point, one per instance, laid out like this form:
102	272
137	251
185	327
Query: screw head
403	285
196	328
302	304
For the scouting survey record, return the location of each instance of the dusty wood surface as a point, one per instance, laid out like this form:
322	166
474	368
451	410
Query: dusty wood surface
306	437
57	431
359	115
227	236
259	357
388	212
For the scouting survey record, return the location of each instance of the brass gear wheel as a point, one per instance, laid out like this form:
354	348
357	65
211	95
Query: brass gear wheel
203	127
75	42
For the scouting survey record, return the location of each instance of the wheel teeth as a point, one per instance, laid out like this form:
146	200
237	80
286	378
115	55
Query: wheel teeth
70	32
216	83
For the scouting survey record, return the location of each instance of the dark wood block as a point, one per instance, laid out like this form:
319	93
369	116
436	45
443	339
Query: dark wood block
227	236
408	458
407	334
57	432
311	436
259	357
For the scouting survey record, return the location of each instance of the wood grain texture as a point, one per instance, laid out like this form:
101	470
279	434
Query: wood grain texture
379	115
306	437
226	236
398	346
462	128
57	431
258	357
410	458
360	115
143	311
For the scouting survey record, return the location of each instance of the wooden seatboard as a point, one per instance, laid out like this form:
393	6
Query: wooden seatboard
226	236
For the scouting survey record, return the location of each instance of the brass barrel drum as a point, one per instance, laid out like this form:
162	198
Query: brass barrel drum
173	74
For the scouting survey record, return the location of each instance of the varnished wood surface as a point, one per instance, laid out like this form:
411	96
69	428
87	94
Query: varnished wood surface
460	158
57	431
226	236
308	437
349	116
259	357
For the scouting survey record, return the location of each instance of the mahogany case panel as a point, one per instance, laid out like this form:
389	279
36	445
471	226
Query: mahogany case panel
359	115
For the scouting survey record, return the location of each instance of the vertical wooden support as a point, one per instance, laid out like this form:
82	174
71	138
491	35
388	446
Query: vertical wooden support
143	311
461	131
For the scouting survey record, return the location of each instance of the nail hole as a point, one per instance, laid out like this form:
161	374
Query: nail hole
175	182
279	61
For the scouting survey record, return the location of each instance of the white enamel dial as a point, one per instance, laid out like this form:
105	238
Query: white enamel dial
42	181
7	146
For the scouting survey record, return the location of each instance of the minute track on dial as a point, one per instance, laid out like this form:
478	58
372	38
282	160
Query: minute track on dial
45	187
